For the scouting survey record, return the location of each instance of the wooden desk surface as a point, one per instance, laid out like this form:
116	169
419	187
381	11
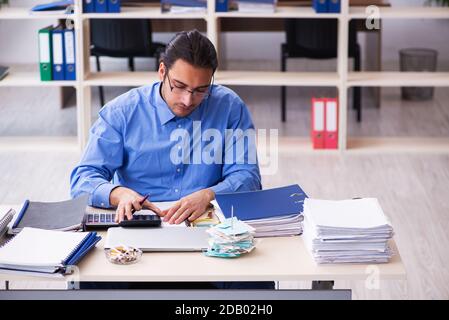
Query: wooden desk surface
279	259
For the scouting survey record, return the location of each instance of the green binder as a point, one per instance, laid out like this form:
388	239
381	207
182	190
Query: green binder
45	53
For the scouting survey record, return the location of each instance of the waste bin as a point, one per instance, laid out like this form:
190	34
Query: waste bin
417	59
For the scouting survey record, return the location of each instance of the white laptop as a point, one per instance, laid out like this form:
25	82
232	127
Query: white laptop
159	239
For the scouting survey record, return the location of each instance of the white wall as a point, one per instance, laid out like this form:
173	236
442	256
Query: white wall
18	40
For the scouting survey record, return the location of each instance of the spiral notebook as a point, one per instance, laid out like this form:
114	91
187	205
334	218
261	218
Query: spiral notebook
5	220
45	251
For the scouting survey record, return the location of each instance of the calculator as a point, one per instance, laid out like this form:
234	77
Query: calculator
105	218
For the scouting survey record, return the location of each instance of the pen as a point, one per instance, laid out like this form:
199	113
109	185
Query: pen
141	202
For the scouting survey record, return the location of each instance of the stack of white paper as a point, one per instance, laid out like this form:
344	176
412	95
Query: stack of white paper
347	231
277	226
230	239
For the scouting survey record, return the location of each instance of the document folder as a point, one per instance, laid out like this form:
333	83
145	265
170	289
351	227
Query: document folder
333	6
88	6
320	6
318	111
101	6
45	53
58	54
113	5
283	201
70	64
331	132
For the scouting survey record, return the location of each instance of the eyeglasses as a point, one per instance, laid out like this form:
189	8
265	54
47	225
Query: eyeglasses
196	93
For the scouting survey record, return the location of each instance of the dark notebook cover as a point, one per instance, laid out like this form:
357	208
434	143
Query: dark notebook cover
52	215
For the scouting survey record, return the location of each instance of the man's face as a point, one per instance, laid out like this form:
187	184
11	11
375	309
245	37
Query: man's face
178	84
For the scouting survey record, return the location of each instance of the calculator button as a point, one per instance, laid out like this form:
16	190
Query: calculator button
96	218
108	218
102	218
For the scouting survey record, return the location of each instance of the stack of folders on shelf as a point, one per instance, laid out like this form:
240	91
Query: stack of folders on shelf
326	6
45	252
57	53
347	231
184	6
101	6
257	6
66	215
324	123
272	212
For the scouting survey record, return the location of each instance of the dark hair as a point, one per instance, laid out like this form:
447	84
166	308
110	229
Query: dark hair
193	48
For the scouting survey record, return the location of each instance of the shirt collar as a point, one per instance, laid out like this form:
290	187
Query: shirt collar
164	112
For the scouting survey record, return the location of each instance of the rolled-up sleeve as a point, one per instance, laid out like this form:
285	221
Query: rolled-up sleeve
240	170
101	158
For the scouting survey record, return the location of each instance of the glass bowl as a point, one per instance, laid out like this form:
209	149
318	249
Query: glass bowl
123	255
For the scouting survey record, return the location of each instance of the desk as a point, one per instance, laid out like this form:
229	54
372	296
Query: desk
274	259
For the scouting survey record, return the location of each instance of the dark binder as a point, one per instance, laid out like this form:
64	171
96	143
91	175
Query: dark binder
269	203
63	215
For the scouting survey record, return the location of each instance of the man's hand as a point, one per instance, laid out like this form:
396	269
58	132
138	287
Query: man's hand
191	207
127	201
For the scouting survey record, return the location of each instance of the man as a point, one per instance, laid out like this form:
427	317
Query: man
134	149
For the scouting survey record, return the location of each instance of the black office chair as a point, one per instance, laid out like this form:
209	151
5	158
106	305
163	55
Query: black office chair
317	39
123	38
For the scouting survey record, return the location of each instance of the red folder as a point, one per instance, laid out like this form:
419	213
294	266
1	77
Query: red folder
318	119
331	127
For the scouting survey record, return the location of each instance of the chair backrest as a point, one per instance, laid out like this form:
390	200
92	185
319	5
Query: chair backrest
316	38
121	37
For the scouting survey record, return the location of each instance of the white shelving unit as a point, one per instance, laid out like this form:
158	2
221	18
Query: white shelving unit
342	79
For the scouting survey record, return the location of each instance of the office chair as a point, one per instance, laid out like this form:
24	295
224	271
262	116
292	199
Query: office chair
317	39
123	38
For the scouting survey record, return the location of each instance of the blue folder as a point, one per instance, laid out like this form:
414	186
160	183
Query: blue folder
69	54
333	6
56	5
252	205
88	6
101	6
113	5
320	6
58	65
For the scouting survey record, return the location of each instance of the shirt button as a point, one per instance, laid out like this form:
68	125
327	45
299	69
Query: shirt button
176	190
178	170
179	147
102	204
179	126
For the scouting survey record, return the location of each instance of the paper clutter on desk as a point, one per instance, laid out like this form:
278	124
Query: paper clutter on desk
230	239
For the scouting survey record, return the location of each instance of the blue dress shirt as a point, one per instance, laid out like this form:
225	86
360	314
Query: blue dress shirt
130	146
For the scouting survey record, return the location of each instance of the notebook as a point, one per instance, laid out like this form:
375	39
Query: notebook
46	251
5	220
64	215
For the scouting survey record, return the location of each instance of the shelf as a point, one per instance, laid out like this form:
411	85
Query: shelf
398	145
39	144
402	13
31	79
396	79
143	13
11	13
237	78
263	78
281	12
